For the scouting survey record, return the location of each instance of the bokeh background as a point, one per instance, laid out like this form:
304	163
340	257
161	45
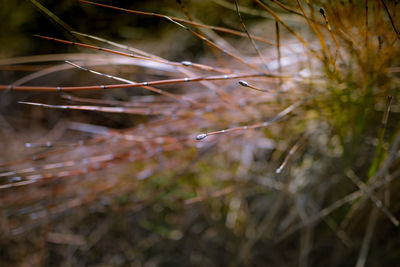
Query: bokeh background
215	205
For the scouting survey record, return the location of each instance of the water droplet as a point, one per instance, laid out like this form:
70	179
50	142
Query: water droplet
243	83
201	136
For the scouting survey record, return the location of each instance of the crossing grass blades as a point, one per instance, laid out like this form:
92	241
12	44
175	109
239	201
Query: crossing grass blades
277	145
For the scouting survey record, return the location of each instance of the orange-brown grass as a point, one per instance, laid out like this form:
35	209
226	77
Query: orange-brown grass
276	145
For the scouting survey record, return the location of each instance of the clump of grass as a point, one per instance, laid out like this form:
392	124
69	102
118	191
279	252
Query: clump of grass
275	152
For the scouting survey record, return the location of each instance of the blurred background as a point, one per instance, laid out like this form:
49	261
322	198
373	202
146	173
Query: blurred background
214	203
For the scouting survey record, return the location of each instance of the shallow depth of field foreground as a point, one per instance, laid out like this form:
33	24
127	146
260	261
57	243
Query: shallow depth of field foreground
199	133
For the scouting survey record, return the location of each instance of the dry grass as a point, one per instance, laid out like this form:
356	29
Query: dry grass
277	144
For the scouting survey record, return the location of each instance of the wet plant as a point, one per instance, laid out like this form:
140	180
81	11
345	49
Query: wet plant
274	145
